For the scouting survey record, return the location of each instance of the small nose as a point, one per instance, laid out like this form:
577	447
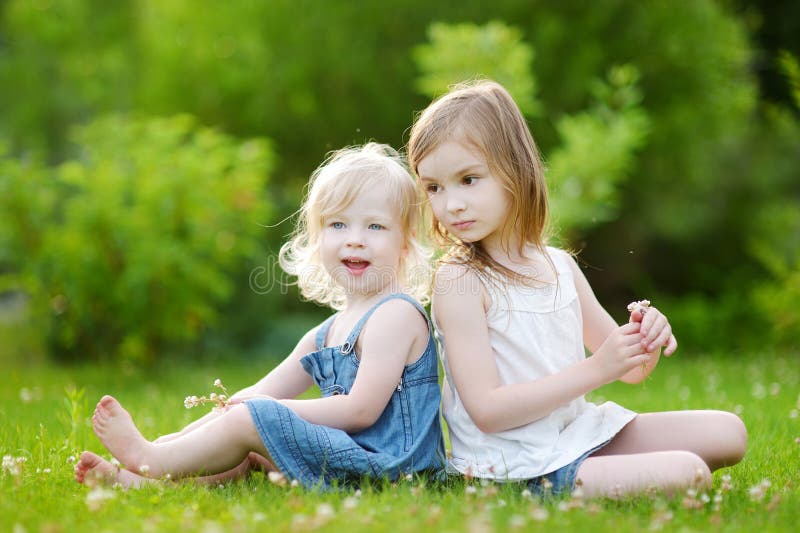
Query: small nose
454	203
355	238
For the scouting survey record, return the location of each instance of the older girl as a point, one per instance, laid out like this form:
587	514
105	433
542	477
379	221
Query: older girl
515	315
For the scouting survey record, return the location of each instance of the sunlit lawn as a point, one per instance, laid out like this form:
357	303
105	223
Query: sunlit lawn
45	414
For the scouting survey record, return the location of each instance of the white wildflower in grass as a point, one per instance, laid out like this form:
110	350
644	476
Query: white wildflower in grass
13	465
220	401
71	459
357	493
325	511
299	521
350	503
409	477
98	496
114	462
539	514
526	494
660	517
276	478
759	391
693	500
516	521
757	492
144	469
294	483
470	489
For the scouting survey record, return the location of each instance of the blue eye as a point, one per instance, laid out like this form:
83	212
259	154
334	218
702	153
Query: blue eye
376	226
337	225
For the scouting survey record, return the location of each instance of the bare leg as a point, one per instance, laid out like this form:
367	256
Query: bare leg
92	469
622	475
719	438
190	427
214	447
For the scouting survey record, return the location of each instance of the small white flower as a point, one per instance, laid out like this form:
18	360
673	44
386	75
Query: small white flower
325	510
144	469
540	514
516	521
350	503
276	478
470	489
526	493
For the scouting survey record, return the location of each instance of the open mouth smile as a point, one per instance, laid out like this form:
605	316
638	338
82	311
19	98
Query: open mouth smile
355	265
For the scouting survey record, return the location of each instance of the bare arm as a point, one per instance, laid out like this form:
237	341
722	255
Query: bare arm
287	380
460	307
394	335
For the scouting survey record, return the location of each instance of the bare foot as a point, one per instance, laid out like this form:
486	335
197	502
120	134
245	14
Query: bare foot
92	470
116	430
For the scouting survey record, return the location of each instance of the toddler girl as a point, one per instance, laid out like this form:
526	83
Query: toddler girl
514	317
374	360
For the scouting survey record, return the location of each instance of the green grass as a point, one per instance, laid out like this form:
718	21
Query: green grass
45	410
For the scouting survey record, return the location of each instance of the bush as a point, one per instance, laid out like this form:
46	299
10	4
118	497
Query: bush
129	246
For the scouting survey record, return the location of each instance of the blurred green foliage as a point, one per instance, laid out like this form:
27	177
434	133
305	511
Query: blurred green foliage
669	170
459	52
130	246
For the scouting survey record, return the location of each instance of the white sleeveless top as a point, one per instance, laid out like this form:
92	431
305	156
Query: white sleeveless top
534	332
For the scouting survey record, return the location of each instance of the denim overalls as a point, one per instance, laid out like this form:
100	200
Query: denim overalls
407	437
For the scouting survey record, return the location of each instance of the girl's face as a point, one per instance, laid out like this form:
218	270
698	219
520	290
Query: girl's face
363	244
465	197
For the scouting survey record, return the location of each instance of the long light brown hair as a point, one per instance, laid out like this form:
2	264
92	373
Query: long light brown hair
483	115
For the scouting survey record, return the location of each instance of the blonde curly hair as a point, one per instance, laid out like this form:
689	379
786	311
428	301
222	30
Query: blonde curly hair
331	188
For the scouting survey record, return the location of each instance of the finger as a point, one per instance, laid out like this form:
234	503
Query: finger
672	345
630	328
650	316
638	360
661	340
655	329
636	315
633	351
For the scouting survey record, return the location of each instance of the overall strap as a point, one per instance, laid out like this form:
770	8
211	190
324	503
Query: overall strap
348	346
322	332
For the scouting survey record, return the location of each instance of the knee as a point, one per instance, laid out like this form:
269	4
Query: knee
733	435
692	470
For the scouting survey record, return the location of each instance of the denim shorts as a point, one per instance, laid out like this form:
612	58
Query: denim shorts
561	481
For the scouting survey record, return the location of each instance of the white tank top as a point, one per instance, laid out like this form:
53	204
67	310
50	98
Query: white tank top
534	332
